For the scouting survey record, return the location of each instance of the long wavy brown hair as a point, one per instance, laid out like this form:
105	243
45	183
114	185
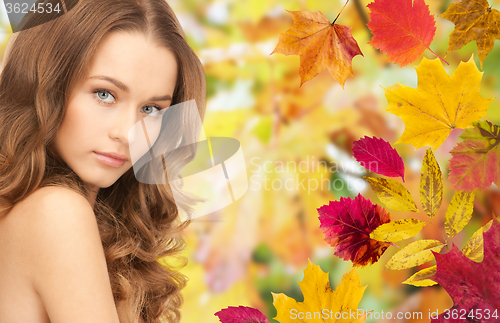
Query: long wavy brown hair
138	223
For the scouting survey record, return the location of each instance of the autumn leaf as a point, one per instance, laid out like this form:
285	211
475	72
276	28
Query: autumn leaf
347	225
414	254
378	156
320	44
471	285
474	20
422	278
474	249
439	104
475	162
431	184
241	314
393	194
397	230
401	29
459	212
319	296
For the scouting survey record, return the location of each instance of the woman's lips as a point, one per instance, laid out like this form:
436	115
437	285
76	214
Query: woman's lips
110	161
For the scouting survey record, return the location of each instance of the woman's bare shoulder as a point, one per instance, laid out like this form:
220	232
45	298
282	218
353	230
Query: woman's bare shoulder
50	197
43	209
57	233
50	216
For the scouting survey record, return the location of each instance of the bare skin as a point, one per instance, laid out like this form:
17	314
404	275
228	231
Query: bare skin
52	264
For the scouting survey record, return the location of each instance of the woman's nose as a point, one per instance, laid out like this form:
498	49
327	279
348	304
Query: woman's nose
122	122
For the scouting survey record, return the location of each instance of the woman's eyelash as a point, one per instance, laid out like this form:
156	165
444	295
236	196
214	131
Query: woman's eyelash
102	91
111	94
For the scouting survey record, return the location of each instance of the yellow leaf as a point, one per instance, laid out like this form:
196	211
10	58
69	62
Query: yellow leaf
392	193
319	299
397	230
459	212
421	278
414	254
431	184
474	20
473	249
439	104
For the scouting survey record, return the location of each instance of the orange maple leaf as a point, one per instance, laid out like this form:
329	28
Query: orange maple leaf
474	20
320	44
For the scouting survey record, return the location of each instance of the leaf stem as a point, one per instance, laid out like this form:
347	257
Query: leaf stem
437	56
393	244
333	23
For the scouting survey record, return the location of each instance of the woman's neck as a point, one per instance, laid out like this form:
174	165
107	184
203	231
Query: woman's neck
93	195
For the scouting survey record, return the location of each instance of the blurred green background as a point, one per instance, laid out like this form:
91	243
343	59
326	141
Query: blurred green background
261	243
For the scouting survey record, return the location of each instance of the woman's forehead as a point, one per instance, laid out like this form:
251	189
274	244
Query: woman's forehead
131	57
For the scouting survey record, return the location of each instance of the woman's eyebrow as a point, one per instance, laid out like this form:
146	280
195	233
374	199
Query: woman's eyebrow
124	88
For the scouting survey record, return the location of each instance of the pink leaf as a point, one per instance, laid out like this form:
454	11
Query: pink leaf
378	156
347	225
241	314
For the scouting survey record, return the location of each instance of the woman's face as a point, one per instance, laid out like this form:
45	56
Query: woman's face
130	78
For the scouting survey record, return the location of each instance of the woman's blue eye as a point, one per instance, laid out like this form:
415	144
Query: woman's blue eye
151	110
104	95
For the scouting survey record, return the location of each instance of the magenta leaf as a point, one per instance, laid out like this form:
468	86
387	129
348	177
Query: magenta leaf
472	286
378	156
241	314
347	225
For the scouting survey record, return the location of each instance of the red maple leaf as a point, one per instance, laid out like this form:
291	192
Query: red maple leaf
472	286
347	225
241	314
400	29
378	156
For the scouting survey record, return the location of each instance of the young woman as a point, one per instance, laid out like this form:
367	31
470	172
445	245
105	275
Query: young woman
80	236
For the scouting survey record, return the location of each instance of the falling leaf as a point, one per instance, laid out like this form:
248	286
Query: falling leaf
319	296
414	254
347	225
431	184
393	194
475	162
439	104
401	29
471	285
241	314
397	230
459	212
473	249
320	44
378	156
421	278
474	20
